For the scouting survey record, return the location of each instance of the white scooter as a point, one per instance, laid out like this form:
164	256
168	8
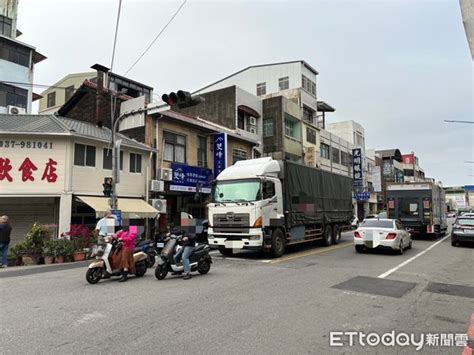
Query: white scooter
102	267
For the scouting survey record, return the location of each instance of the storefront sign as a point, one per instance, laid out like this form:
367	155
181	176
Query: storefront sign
376	179
220	153
27	169
362	196
25	144
357	167
188	178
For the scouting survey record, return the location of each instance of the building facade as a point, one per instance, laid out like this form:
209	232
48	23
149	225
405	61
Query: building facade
411	168
17	64
52	171
54	97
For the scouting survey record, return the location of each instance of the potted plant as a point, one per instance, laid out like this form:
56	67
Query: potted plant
49	251
61	250
17	253
80	237
34	241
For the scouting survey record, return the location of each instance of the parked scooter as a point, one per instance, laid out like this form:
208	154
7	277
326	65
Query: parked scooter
200	259
149	248
102	267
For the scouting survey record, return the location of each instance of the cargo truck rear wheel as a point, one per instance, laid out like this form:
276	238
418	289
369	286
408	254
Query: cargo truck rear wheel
336	234
278	243
327	238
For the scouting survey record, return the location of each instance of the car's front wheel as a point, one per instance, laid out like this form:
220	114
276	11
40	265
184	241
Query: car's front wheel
454	242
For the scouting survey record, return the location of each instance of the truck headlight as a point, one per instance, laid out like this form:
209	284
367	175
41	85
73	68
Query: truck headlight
210	236
254	237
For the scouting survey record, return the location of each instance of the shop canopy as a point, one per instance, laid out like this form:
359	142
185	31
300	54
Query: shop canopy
131	208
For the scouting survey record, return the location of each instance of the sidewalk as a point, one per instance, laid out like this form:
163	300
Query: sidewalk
14	271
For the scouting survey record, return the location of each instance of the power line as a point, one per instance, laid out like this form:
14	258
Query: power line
455	121
116	33
33	85
157	36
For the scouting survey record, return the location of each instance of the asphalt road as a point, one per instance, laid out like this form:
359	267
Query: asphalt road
246	304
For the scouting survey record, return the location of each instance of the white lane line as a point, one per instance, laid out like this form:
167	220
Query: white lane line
385	274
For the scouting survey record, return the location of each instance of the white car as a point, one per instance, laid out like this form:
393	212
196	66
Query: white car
355	223
382	233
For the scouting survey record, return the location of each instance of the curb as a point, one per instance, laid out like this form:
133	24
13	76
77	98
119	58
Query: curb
39	269
468	350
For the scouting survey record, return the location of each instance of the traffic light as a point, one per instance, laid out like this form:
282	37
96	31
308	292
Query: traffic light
182	98
107	186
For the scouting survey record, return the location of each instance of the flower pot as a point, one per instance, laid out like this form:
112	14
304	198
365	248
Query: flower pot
60	259
11	262
68	258
79	256
48	259
30	259
19	261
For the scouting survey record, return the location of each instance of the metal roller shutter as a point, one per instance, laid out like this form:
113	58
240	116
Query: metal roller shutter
24	211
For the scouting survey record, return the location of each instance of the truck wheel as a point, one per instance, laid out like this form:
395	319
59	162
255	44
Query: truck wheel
327	239
278	243
226	252
336	234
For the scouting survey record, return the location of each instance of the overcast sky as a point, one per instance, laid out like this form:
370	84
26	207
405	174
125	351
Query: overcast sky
400	68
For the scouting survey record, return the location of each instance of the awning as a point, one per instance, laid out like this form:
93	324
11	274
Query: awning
131	208
248	110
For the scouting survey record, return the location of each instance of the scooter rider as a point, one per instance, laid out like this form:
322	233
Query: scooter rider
188	242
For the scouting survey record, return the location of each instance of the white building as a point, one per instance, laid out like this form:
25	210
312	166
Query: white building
52	171
17	61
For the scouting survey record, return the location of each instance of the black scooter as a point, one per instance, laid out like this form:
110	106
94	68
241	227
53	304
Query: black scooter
200	259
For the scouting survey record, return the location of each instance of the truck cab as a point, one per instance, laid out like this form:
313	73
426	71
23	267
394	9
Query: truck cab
246	205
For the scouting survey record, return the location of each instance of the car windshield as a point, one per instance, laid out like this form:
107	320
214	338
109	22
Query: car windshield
377	223
236	191
465	221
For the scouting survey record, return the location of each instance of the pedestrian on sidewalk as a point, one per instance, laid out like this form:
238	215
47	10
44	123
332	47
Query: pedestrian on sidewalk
5	231
127	264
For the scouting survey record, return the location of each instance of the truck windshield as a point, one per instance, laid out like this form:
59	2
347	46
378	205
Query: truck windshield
409	208
236	190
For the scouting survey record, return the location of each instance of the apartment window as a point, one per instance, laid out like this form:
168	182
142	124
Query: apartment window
135	163
107	159
346	159
292	128
308	114
11	95
175	148
284	83
308	85
68	92
261	89
324	151
14	53
358	139
84	155
335	155
51	99
238	154
6	26
241	120
202	151
310	135
268	127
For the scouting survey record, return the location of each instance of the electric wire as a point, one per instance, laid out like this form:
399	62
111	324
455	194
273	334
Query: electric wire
157	36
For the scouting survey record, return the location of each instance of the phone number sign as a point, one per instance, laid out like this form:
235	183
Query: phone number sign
25	144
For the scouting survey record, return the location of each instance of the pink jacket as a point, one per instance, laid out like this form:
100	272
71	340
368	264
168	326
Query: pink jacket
128	240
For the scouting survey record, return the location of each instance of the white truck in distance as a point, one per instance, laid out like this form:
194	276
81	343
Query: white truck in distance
265	204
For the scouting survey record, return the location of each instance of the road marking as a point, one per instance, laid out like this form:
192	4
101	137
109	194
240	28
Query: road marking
340	246
385	274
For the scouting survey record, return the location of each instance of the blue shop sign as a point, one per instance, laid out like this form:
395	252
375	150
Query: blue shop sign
187	178
220	153
357	177
362	196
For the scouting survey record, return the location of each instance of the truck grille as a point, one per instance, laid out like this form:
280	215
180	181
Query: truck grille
231	220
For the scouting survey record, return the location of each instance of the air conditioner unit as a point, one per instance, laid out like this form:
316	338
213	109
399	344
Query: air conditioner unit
157	185
15	110
165	174
159	204
252	121
253	130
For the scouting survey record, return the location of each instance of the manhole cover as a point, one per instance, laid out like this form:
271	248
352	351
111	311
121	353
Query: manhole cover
376	286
